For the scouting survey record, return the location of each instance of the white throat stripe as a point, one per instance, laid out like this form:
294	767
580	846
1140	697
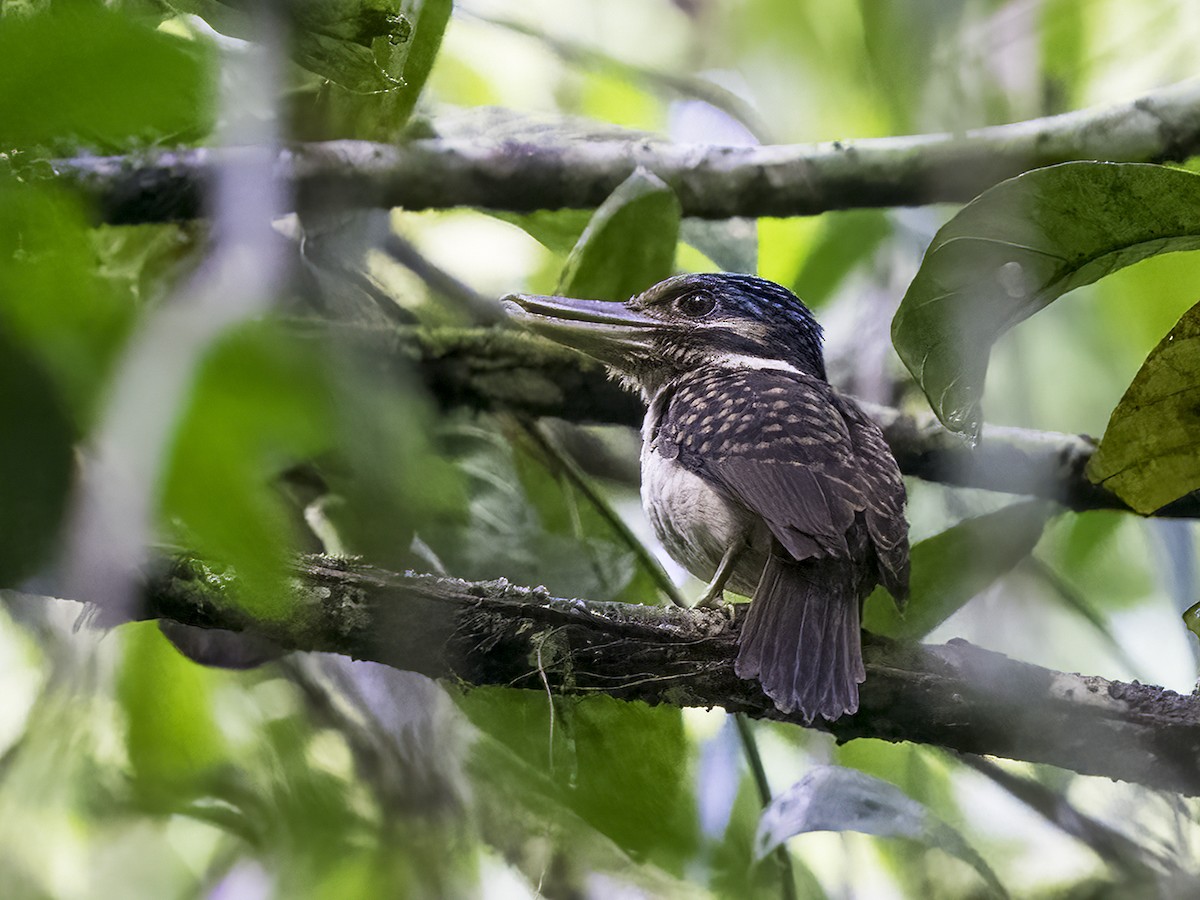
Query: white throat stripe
742	361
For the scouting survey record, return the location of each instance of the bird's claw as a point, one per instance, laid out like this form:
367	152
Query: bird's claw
712	600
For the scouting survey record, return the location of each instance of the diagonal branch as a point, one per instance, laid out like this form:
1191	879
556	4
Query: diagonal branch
956	695
533	172
512	371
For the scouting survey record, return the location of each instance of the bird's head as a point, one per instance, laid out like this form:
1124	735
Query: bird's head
685	324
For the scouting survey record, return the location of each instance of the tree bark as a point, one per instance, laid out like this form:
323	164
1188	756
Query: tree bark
524	173
955	695
500	370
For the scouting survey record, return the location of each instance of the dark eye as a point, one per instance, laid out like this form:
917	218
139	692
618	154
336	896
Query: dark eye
696	305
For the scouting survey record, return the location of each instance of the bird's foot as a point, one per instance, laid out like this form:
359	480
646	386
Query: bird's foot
711	599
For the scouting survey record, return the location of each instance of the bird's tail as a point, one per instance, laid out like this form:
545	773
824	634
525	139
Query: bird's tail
801	638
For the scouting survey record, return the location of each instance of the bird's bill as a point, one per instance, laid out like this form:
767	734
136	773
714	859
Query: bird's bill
609	331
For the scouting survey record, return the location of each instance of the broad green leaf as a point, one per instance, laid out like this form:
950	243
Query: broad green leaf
831	798
950	568
1019	246
53	300
1150	452
100	77
250	418
628	245
844	241
36	462
347	41
172	738
622	767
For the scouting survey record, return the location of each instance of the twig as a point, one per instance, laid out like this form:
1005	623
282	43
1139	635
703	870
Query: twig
581	483
759	773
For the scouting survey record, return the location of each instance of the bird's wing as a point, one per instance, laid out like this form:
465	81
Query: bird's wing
884	492
778	443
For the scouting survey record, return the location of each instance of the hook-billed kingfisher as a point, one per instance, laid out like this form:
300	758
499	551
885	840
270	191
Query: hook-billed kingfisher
757	475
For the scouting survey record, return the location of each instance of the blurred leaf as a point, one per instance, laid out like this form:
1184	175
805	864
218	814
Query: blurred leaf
53	301
1018	247
628	245
554	229
336	39
91	75
36	462
736	869
172	738
251	417
1065	52
844	241
528	525
950	568
1149	453
922	774
831	798
731	243
623	767
897	37
141	260
1191	618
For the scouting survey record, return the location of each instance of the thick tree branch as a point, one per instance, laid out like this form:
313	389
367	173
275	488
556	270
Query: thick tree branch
523	175
508	370
955	695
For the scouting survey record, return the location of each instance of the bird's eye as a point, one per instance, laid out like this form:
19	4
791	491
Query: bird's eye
696	305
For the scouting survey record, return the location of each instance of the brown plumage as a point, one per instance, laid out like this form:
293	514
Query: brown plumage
753	467
783	450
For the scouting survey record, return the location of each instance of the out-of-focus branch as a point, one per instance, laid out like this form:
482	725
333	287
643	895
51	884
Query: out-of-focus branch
513	371
711	181
956	695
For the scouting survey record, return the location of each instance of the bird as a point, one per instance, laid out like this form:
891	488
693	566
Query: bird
756	474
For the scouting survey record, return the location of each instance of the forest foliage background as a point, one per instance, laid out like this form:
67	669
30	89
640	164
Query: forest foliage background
214	386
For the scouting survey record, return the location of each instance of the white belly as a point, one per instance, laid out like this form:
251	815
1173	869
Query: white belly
696	525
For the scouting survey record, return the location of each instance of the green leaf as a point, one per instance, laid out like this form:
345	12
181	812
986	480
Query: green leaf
844	241
36	462
53	300
628	245
101	77
555	229
173	741
532	527
622	767
250	418
1150	452
378	74
1018	247
731	243
950	568
830	798
347	41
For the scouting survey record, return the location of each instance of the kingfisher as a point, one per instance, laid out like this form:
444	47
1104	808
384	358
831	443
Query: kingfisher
757	475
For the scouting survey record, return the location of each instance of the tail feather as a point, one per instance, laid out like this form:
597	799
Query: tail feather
801	639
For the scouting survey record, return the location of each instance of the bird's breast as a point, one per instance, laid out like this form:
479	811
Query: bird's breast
696	524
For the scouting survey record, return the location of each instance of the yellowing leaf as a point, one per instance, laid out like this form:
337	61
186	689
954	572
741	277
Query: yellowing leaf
1150	453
